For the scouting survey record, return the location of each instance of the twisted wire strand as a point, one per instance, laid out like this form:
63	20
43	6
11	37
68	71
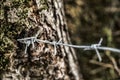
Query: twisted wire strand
96	47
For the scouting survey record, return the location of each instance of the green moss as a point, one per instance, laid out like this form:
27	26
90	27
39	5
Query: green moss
18	3
8	34
9	30
44	4
3	63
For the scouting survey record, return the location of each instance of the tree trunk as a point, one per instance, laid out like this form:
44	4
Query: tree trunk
41	62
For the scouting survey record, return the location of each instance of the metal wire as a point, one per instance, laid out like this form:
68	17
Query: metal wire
96	47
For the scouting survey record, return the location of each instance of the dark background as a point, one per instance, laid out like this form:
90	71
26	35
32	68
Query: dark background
88	21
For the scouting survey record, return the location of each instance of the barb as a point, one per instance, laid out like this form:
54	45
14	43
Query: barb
55	45
27	45
96	47
29	40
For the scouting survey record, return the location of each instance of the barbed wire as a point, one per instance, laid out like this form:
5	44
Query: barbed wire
31	40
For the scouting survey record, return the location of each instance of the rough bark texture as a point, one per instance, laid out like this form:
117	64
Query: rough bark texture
41	63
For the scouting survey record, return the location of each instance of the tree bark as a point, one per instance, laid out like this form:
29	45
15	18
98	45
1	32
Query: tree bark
41	62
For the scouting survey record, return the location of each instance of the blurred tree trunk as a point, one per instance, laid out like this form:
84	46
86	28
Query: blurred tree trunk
41	62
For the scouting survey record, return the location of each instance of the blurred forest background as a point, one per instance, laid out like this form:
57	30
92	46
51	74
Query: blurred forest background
88	21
